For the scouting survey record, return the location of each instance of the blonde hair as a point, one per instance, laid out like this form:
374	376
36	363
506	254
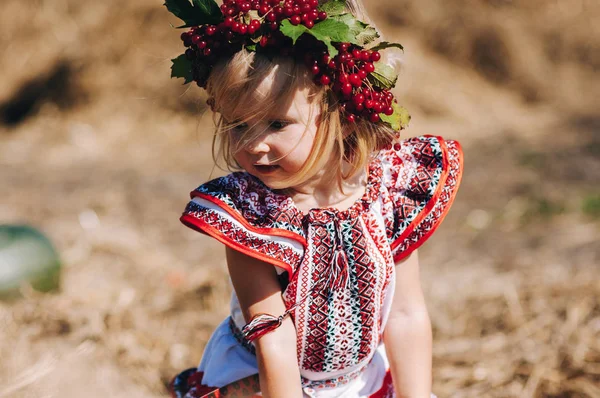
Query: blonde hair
233	87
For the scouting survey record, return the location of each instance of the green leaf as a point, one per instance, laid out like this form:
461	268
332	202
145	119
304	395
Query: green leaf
360	33
201	12
384	76
180	8
367	36
251	47
182	67
293	31
335	31
208	9
399	119
334	7
327	31
386	44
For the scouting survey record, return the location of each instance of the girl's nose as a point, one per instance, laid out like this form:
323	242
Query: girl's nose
258	146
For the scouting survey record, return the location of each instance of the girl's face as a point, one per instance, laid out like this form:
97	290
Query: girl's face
282	141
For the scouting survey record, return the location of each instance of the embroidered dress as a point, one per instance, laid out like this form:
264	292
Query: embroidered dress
338	267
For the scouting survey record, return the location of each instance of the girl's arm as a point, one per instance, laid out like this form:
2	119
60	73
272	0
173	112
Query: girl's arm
259	292
407	334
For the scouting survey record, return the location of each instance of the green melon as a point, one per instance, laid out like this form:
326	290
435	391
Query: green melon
27	257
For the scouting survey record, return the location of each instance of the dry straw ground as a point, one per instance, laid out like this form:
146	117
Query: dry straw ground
99	148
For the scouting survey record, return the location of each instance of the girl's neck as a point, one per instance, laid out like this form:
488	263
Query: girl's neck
320	193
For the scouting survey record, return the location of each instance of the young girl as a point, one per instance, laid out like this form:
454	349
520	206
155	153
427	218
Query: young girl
322	223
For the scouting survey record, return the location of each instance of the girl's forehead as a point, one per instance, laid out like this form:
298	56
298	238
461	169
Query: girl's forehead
294	102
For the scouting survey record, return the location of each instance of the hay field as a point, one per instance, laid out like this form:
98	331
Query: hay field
99	149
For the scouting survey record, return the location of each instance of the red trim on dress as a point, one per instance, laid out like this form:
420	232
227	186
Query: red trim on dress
203	391
433	202
204	227
238	217
386	387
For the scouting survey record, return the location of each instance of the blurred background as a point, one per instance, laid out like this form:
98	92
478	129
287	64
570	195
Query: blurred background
99	150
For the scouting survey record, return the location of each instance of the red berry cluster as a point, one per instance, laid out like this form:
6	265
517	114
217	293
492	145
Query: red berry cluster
208	43
348	74
273	11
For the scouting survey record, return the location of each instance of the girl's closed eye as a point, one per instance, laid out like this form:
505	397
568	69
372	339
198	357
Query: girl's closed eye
238	126
278	125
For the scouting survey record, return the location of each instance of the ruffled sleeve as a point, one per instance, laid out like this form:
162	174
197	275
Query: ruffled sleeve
421	176
241	212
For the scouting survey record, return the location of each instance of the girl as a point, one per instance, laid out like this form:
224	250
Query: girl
322	223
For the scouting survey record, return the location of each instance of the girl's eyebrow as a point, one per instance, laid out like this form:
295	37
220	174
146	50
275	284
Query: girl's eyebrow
281	117
269	118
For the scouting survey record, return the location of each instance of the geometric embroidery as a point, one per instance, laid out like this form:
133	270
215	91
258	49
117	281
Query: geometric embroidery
409	192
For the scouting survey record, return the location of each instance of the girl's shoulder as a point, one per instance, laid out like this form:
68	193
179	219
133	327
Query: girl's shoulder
413	162
244	214
247	197
420	177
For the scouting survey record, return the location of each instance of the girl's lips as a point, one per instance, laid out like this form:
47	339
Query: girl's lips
266	169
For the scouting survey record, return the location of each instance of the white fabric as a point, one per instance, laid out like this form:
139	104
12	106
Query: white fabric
225	361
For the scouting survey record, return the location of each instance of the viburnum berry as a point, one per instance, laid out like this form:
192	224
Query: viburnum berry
190	54
355	80
263	10
347	89
358	99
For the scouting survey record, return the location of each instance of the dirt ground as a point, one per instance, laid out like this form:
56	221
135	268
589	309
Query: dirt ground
99	149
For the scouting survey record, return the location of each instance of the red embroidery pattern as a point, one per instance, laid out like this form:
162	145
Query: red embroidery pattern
440	204
255	202
211	221
410	190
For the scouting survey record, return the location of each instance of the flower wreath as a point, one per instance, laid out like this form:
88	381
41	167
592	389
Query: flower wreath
326	37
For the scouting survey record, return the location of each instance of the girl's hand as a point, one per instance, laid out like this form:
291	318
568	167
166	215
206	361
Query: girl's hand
259	292
407	334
